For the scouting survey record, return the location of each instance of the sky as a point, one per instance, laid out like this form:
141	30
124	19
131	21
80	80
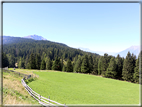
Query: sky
105	27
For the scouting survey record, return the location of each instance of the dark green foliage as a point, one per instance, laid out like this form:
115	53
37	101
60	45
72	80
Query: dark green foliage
43	65
85	65
27	65
95	66
21	63
100	65
90	60
11	60
57	64
119	67
5	62
136	72
64	68
25	47
21	51
78	63
111	70
31	61
128	68
49	64
69	67
105	63
38	61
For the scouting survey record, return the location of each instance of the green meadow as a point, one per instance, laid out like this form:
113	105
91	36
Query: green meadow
75	88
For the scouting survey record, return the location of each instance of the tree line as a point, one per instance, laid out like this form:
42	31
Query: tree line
107	66
34	54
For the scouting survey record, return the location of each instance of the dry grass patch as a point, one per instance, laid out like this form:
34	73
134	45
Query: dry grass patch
14	92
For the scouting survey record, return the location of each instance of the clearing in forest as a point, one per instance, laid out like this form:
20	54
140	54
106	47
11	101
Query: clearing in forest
74	88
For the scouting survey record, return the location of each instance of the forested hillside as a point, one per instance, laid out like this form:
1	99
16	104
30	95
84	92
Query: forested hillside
20	49
34	54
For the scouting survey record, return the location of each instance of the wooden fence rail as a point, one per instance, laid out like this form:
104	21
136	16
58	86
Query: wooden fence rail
42	100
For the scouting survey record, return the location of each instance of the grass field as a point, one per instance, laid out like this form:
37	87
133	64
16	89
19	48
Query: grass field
14	92
74	88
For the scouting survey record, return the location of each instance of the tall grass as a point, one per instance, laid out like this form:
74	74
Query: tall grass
14	92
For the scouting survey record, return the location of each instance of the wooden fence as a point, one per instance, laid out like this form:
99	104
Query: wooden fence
42	100
16	73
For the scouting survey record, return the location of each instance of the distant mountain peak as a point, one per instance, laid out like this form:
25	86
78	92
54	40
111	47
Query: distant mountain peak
133	49
35	37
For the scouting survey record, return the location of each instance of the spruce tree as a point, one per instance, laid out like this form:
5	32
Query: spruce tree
104	64
100	65
49	64
128	68
85	65
43	65
95	66
64	68
90	60
111	70
32	61
20	63
69	66
5	62
38	61
119	67
26	64
136	72
78	65
57	64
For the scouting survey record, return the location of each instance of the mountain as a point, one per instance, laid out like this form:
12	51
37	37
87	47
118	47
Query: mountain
98	52
35	37
10	39
23	47
133	49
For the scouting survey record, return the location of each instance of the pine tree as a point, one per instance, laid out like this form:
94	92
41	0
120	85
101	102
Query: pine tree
43	65
49	64
105	63
119	67
11	60
85	65
5	61
100	65
136	72
78	63
20	63
64	68
95	66
32	61
69	66
57	64
90	60
26	64
128	68
38	61
111	70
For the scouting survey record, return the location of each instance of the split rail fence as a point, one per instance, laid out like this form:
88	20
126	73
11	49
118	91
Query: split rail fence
42	100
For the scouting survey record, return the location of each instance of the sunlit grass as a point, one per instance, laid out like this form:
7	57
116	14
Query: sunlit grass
74	88
14	92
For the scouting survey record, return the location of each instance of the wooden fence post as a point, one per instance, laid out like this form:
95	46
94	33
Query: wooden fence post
49	100
40	97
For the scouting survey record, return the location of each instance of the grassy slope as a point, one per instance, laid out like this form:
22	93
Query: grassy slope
14	92
71	88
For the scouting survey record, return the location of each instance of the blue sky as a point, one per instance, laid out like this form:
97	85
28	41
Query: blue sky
107	27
